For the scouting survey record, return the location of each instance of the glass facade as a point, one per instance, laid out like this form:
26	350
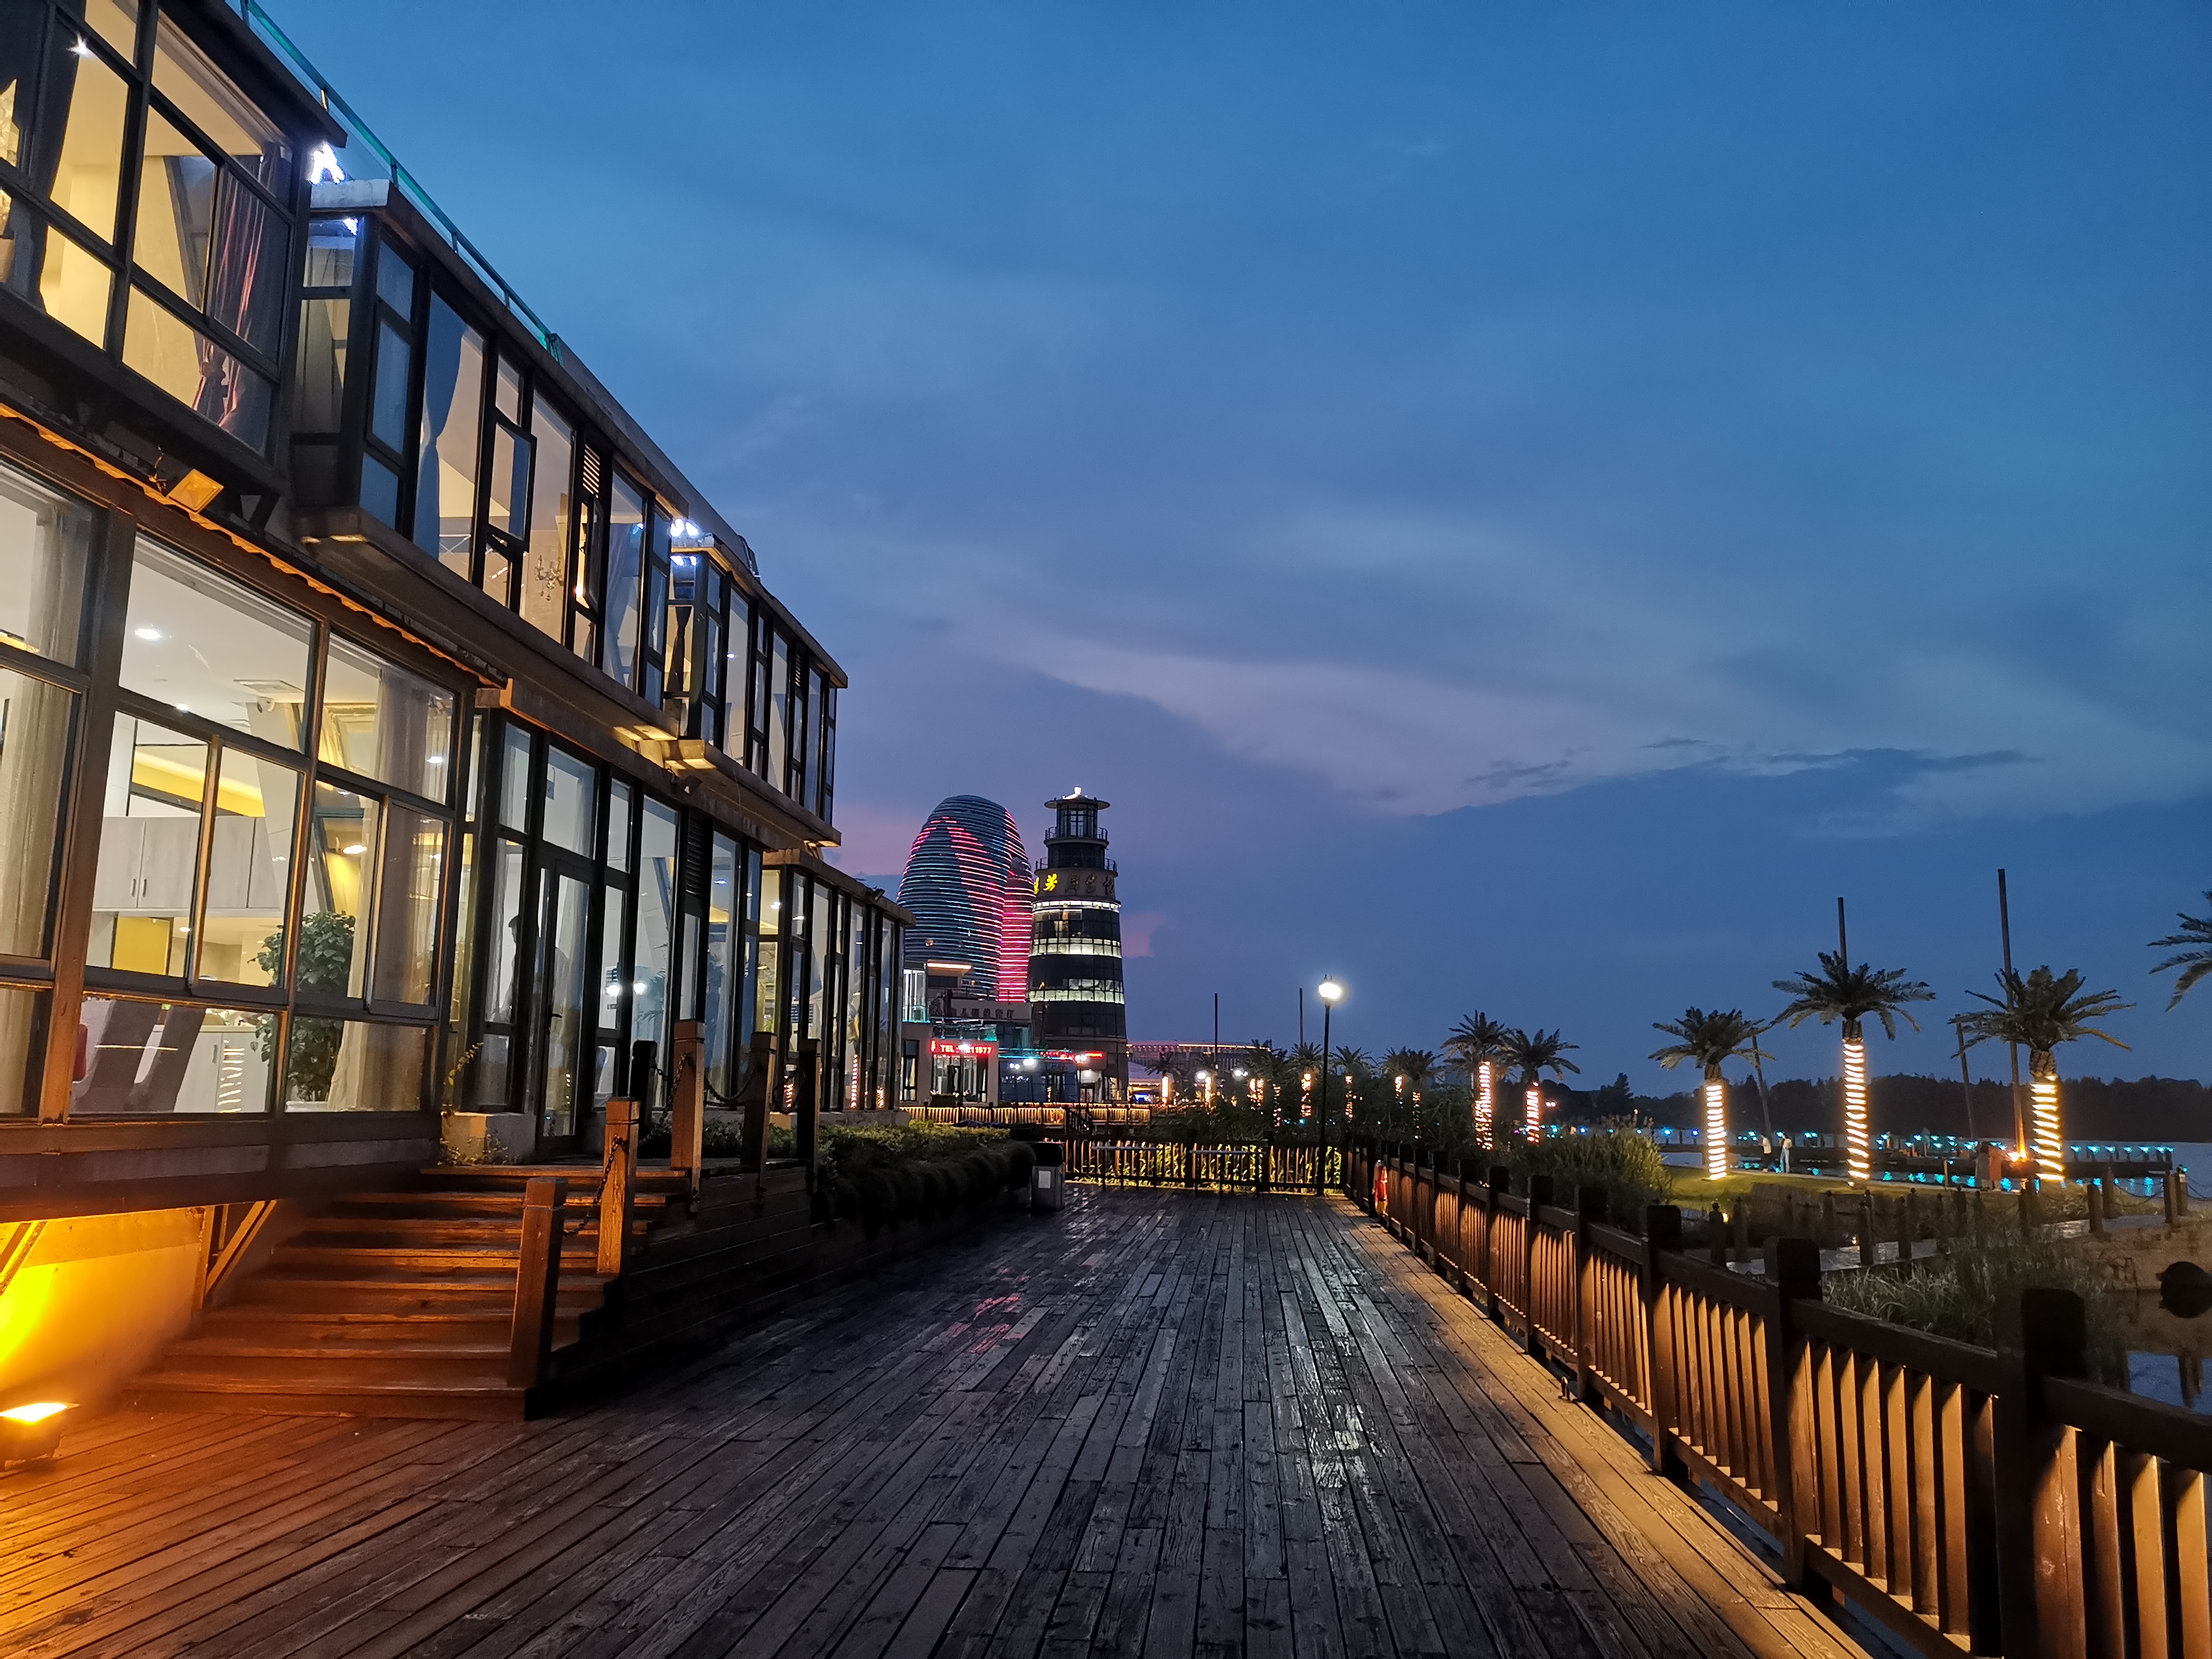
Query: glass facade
294	825
264	820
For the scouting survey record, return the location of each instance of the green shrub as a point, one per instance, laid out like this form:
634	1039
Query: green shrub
921	1171
1614	1155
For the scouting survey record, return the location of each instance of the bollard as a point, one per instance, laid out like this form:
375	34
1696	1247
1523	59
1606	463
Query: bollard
1047	1185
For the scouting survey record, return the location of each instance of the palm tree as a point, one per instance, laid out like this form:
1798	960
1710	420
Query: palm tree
2038	1012
1306	1063
2194	957
1841	992
1536	1053
1477	1043
1409	1071
1710	1039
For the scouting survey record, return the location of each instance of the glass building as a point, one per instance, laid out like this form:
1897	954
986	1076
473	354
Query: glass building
967	883
1077	1010
386	723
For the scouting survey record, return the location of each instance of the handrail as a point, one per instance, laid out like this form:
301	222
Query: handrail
1965	1499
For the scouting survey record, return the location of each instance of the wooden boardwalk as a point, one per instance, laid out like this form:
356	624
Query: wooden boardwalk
1160	1423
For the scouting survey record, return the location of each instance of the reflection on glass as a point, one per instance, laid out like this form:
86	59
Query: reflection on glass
779	712
44	537
395	282
355	1066
212	103
150	844
322	368
176	211
214	647
618	799
387	412
561	971
514	779
625	577
571	796
74	286
34	732
249	871
333	245
506	498
22	1045
464	940
613	922
725	913
502	948
654	927
163	1057
545	564
88	176
407	906
385	722
453	404
341	838
195	371
768	950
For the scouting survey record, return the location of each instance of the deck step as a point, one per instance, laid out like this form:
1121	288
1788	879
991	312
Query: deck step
453	1401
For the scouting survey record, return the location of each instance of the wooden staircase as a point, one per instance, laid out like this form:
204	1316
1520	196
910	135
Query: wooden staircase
406	1303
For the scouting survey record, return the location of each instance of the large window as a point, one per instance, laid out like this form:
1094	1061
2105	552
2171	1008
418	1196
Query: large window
202	266
270	863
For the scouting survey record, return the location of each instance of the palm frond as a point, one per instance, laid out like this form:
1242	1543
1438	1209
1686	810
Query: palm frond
2194	955
1710	1039
2041	1011
1842	992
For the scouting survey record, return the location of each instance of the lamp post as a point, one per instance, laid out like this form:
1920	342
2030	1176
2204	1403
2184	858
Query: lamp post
1332	993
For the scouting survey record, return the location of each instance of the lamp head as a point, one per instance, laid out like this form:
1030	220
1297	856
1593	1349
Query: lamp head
1331	991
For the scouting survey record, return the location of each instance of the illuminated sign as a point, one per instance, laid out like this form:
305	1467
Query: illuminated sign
1072	1054
963	1048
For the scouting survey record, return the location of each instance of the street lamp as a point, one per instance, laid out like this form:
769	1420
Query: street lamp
1332	993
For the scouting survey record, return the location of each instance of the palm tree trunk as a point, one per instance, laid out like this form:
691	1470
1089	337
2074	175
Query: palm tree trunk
1485	1106
1858	1140
1716	1150
2049	1145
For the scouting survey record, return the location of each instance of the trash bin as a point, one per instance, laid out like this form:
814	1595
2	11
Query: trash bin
1045	1183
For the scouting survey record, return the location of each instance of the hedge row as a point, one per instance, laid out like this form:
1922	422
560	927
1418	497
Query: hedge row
882	1192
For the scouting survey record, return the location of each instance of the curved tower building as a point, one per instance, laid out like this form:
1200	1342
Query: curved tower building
967	882
1076	1005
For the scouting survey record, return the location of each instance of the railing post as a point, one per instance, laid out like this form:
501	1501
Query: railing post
1469	1183
2040	1333
1501	1182
1589	1209
1793	1267
1662	1232
687	1098
617	1179
537	1280
1540	1192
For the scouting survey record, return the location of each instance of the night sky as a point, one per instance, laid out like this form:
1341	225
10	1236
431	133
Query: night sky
1518	508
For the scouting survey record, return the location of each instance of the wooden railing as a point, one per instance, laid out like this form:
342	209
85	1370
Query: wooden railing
1187	1164
1965	1499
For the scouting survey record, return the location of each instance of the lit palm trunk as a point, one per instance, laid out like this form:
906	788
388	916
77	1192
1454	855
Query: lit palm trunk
1485	1104
1535	1104
2043	1104
1717	1158
1858	1145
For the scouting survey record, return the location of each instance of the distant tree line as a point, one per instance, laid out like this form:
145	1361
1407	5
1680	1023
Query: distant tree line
2149	1109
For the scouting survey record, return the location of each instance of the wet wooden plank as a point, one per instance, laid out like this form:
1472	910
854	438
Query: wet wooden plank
1168	1422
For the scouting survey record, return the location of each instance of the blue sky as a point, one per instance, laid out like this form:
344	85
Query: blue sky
1517	507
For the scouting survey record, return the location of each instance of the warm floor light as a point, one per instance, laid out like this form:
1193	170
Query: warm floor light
1858	1155
2049	1147
1485	1104
1716	1157
31	1431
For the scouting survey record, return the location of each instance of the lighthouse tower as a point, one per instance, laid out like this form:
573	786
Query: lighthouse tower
1076	1006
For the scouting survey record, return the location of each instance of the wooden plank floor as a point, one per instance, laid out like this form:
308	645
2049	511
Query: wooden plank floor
1160	1423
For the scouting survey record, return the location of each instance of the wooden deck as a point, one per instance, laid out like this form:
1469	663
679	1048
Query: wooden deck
1161	1423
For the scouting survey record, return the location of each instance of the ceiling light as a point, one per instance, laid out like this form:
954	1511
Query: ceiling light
357	850
147	633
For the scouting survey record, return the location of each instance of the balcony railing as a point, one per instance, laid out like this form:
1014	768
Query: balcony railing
312	78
